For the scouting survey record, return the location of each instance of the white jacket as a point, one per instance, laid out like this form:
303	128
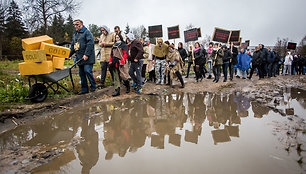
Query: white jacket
288	60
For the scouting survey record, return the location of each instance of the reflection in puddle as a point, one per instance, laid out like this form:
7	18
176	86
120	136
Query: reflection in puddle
188	128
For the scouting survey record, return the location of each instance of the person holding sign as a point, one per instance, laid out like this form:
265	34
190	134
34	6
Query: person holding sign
160	52
233	61
174	61
199	62
217	57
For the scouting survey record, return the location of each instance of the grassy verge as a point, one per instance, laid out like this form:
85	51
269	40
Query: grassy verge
14	88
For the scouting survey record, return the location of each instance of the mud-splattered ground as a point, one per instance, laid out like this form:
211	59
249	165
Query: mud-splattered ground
267	93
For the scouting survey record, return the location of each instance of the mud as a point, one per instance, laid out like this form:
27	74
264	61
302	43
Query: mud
77	117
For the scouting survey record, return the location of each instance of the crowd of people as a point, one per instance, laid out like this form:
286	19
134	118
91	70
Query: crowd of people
129	58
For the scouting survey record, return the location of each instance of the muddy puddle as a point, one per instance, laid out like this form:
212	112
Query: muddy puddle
170	133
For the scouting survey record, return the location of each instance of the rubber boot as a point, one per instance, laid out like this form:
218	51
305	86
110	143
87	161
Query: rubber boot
178	74
117	92
127	85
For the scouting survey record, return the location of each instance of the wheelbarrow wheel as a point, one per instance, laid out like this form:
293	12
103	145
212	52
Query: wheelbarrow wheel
38	93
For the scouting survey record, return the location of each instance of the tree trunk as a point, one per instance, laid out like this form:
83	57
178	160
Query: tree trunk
1	46
44	16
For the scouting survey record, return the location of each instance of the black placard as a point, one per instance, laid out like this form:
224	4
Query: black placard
174	32
155	31
235	35
191	35
237	43
199	32
291	46
247	42
221	35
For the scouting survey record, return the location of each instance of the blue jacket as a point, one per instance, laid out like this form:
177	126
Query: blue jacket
271	57
244	61
86	41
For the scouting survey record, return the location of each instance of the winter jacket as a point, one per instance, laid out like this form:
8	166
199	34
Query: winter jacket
219	58
146	53
190	57
288	60
183	53
234	56
271	57
86	46
109	41
264	54
244	61
136	50
160	52
199	57
277	57
174	60
227	56
256	60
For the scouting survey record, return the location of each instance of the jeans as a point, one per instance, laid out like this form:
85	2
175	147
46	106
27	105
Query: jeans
231	70
209	64
217	71
188	68
225	66
287	67
136	67
86	71
104	66
160	67
270	70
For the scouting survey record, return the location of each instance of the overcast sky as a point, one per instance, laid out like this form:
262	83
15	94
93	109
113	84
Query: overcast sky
260	21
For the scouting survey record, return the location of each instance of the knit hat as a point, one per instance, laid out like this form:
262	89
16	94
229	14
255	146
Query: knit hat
147	39
106	28
131	36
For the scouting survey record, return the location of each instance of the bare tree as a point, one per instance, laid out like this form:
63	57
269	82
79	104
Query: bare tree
302	47
281	46
40	12
139	32
206	40
3	11
189	26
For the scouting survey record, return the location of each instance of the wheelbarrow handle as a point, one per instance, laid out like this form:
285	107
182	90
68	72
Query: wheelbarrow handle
76	63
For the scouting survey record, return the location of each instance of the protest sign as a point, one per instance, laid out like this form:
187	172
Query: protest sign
235	35
155	31
221	35
191	35
291	46
174	32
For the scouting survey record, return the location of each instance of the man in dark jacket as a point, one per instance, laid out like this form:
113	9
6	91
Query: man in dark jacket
270	60
83	46
136	58
256	63
264	58
276	63
226	60
233	61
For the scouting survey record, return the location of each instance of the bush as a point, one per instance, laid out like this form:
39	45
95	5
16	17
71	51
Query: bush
13	92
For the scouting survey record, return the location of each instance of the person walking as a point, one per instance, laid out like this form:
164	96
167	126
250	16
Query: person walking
233	61
199	62
217	57
160	52
83	46
118	59
146	53
270	60
189	60
182	51
209	60
226	60
244	61
107	40
136	58
175	62
288	63
256	63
